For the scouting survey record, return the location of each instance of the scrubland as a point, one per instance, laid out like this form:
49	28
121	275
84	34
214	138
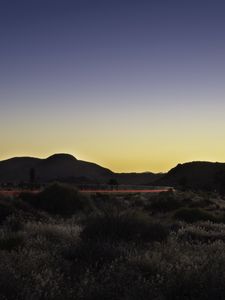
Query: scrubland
60	244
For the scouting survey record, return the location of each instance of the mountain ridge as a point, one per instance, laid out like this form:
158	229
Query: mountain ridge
196	175
65	167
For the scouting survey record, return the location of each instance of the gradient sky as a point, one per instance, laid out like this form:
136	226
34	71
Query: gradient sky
131	85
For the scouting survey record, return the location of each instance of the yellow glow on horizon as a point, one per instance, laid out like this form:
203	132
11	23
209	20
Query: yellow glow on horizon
122	140
126	157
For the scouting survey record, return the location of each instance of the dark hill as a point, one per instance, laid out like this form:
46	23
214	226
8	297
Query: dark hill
63	166
55	167
197	175
66	168
17	169
60	157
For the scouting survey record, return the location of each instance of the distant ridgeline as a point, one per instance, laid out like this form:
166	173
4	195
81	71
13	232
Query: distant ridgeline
29	171
206	176
24	171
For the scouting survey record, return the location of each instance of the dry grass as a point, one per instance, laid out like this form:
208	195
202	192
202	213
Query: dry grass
119	248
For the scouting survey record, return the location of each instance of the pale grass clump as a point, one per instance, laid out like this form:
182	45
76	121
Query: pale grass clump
53	231
204	232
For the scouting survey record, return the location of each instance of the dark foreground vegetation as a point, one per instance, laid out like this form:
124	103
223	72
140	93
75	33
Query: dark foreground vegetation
63	245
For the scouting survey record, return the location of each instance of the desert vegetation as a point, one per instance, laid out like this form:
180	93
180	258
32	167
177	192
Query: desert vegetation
60	244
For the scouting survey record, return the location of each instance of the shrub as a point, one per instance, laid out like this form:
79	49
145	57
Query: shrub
59	199
90	253
126	227
164	202
105	203
191	215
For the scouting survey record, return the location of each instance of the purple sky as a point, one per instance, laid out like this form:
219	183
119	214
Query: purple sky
133	85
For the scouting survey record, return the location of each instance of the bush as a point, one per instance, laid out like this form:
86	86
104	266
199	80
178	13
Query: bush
90	253
59	199
191	215
165	202
126	227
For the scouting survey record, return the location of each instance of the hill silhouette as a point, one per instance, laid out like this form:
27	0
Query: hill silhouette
197	175
66	168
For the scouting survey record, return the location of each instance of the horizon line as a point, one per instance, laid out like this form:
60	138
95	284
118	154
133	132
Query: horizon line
121	172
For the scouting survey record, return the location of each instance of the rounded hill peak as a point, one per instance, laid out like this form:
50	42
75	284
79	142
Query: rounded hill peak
61	156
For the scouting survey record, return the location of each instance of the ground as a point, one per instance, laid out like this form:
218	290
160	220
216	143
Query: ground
61	244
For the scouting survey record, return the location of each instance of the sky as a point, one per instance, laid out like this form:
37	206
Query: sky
131	85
